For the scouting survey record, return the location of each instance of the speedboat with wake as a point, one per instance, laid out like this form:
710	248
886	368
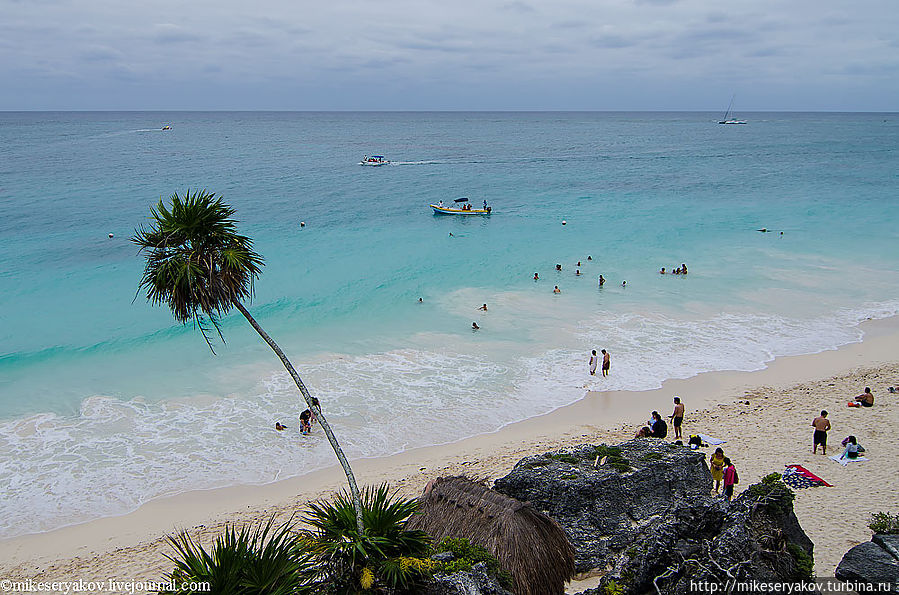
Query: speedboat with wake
461	206
374	160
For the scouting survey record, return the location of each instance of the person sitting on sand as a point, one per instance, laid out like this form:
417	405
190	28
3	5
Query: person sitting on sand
659	427
866	399
716	466
852	448
643	432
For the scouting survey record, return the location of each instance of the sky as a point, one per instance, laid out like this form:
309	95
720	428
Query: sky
790	55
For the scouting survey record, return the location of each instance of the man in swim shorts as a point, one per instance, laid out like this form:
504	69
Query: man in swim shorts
677	417
606	362
821	425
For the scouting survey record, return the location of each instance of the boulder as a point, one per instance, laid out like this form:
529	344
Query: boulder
643	512
872	562
476	581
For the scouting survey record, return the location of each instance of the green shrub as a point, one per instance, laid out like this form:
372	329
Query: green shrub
568	477
652	456
385	554
884	522
615	460
257	560
775	493
613	588
466	555
565	458
805	565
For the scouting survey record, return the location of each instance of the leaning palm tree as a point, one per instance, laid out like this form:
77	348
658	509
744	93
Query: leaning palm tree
200	267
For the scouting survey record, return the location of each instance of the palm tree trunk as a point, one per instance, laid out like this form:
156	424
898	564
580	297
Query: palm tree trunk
351	479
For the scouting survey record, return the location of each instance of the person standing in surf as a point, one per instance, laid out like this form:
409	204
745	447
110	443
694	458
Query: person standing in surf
593	362
606	362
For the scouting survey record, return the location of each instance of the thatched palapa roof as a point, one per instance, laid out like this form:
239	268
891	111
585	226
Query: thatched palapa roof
527	543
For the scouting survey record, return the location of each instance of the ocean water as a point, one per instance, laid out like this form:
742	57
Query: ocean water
106	403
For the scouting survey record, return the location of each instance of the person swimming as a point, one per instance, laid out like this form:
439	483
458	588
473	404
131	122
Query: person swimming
602	280
536	277
475	327
556	289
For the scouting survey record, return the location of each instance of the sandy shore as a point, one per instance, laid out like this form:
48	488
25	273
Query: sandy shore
765	417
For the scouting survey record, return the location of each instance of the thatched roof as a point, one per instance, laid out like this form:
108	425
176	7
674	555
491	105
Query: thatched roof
528	544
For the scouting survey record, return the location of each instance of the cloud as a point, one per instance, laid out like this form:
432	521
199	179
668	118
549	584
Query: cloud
167	33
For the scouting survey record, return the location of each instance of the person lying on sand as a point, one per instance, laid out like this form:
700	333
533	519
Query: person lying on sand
279	426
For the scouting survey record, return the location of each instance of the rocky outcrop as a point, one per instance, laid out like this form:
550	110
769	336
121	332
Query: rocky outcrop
642	513
875	561
476	581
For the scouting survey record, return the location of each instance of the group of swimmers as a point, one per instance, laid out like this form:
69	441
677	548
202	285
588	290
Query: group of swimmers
681	270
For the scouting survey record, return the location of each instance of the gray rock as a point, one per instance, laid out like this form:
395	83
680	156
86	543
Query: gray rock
637	524
474	582
869	562
443	556
888	542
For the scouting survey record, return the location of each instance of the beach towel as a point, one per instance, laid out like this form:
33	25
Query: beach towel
797	476
845	461
711	440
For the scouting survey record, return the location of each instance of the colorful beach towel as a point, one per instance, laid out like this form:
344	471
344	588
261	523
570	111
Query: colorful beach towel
846	460
797	476
711	440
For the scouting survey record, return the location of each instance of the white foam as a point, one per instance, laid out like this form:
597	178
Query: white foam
113	455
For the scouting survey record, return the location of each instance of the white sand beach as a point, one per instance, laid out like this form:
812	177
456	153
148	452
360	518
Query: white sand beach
764	416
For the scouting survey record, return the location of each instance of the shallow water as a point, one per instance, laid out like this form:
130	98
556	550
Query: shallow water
105	402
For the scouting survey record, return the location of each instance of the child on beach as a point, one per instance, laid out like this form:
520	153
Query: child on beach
730	479
716	466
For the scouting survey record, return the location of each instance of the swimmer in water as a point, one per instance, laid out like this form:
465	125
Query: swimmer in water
577	272
474	326
558	267
556	289
602	280
536	277
484	308
624	283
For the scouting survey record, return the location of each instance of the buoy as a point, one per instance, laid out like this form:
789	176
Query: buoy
111	236
564	222
302	224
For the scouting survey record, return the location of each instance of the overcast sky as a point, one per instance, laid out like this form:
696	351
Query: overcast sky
453	55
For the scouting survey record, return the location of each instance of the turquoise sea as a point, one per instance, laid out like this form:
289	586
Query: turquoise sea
106	403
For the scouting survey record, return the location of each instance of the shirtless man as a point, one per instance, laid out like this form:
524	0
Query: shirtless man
866	399
677	417
606	362
821	425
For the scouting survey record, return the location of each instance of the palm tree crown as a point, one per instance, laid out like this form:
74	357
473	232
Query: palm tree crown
197	264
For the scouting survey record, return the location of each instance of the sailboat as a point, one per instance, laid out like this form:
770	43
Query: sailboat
728	117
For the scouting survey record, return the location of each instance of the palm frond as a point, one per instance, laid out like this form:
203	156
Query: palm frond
196	263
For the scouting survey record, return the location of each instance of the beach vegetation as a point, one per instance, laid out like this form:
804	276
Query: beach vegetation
385	554
772	492
256	559
805	564
884	522
466	555
613	455
200	267
613	588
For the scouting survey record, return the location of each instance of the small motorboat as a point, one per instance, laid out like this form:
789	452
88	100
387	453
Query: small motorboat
166	127
461	207
374	160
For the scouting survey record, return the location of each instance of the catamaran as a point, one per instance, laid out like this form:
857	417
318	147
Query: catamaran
728	119
461	207
374	160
